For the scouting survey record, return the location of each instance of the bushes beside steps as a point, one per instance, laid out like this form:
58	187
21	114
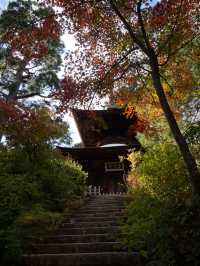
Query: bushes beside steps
163	216
38	187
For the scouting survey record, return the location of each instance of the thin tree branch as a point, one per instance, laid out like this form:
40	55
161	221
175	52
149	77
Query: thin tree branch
165	79
128	28
170	86
117	63
25	96
144	85
141	22
170	36
178	49
138	64
122	74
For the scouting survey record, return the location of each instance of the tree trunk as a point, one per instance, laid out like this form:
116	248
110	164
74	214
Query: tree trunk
194	174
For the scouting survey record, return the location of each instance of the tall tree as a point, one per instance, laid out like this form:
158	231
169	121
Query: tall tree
121	41
31	126
30	51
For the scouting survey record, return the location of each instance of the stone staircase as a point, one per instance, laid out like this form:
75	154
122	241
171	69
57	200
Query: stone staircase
89	238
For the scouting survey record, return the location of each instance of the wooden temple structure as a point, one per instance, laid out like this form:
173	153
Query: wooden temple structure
106	136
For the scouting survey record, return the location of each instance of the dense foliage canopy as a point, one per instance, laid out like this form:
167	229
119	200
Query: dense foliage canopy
30	51
143	55
124	44
162	219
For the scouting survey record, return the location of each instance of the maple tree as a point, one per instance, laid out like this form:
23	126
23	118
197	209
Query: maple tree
30	59
123	43
31	126
188	69
30	51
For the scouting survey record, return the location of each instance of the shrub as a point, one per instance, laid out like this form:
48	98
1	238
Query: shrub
18	192
162	216
36	182
161	171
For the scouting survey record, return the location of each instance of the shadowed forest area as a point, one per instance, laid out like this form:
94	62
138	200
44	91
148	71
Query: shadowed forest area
138	55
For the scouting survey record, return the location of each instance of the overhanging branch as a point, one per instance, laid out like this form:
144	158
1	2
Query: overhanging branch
178	49
128	28
25	96
141	22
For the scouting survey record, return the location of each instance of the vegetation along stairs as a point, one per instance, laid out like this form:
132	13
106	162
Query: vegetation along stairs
89	238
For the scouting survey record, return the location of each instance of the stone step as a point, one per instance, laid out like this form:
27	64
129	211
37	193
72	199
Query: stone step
106	201
87	230
87	239
102	258
106	237
102	201
109	197
103	196
99	212
106	204
89	224
97	215
94	219
56	248
103	209
104	213
79	218
96	203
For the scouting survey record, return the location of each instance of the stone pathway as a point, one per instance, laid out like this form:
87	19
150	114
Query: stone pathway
87	239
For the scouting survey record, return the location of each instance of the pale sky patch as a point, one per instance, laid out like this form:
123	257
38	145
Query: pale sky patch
3	4
73	128
69	41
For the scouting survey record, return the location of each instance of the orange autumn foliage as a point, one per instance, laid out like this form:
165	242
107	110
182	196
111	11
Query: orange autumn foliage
27	126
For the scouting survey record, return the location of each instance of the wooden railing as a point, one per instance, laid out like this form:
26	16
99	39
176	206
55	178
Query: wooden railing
94	190
98	190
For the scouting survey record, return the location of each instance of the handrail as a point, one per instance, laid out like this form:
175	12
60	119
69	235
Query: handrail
98	190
